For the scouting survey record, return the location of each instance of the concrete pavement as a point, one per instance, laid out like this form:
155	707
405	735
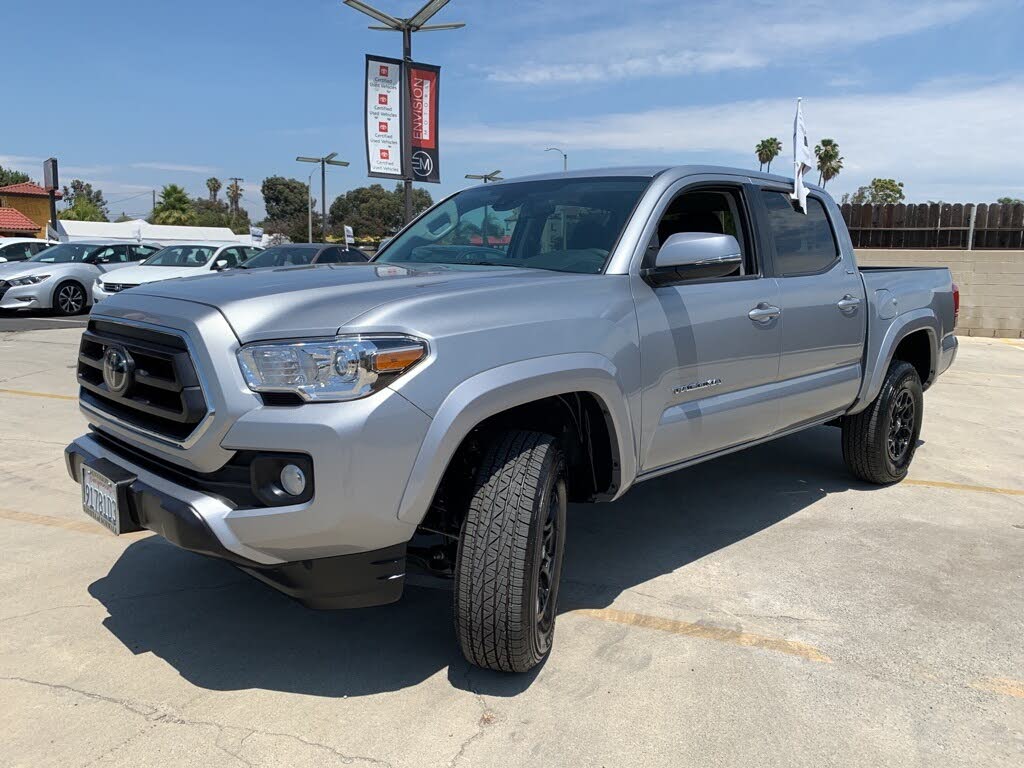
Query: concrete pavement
762	609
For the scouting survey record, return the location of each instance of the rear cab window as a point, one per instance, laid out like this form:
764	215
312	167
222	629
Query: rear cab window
804	244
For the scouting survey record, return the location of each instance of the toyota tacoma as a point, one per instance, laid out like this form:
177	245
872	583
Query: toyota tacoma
519	346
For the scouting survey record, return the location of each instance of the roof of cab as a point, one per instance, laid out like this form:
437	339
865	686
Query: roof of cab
652	171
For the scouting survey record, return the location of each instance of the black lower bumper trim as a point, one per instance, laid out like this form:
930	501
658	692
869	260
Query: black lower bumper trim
356	580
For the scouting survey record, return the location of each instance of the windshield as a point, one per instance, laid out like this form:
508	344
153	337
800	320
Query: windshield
181	256
282	256
65	253
566	225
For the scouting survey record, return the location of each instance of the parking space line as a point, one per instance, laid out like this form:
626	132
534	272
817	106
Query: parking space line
26	393
1003	685
707	632
963	487
81	526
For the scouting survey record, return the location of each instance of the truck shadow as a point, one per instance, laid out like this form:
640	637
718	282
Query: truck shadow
222	630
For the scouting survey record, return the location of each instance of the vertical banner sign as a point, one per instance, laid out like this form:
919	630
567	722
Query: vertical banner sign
423	87
383	117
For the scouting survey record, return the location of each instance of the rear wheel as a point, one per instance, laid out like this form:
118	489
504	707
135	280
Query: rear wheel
69	298
879	442
510	553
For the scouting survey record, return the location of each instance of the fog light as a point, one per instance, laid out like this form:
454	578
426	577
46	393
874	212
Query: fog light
293	480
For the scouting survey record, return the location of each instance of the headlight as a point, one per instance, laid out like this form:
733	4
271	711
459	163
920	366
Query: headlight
343	368
31	280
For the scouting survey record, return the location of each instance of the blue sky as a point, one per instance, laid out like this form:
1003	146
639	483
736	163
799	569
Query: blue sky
132	95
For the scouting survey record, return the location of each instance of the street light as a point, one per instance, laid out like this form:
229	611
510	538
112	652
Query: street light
324	162
565	157
415	23
485	177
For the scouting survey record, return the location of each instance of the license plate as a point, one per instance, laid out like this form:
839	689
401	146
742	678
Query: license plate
99	499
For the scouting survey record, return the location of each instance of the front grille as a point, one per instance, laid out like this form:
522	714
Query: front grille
118	287
164	395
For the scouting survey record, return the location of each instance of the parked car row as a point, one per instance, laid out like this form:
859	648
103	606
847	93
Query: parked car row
67	278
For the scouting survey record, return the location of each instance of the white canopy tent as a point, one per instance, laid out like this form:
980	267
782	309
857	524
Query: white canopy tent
138	230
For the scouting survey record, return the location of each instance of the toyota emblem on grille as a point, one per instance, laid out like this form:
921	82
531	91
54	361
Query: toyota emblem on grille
118	368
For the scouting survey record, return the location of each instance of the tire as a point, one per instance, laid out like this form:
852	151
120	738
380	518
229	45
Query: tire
510	553
880	441
69	298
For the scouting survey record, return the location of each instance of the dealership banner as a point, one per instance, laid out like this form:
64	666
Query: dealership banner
384	117
423	89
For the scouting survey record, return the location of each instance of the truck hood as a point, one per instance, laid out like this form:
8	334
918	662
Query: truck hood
296	302
140	275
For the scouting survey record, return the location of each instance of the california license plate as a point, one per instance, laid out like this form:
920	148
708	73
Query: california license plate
99	499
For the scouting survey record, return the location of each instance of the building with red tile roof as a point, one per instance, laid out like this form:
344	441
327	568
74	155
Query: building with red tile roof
24	202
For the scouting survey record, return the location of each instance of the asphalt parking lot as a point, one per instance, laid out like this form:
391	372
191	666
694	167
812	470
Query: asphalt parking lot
763	609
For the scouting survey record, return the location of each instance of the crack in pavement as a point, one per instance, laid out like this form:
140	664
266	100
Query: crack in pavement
160	715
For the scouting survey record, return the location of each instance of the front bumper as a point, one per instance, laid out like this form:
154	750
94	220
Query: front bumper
27	297
188	519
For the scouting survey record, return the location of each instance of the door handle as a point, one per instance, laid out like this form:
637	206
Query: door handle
848	303
764	313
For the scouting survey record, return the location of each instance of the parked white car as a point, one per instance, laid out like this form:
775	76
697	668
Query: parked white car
21	248
61	277
180	260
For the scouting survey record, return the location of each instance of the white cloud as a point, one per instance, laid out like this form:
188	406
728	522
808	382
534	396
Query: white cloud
741	34
933	137
175	167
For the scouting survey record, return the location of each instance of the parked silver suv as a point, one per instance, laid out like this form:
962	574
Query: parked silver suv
520	345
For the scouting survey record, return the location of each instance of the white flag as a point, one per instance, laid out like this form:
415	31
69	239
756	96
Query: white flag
802	157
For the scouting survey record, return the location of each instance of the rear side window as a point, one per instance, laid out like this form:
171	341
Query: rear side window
804	244
17	251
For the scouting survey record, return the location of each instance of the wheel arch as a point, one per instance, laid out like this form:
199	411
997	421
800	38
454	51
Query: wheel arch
506	391
915	335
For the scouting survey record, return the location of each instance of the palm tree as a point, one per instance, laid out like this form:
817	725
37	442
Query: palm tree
830	162
213	184
234	193
175	207
766	151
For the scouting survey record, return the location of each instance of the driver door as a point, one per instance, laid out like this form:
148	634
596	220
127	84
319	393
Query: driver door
710	348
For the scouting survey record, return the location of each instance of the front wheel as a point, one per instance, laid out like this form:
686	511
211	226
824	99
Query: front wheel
879	442
69	298
510	553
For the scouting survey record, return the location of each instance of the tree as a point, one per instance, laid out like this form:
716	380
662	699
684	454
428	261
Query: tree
374	211
174	207
878	192
1009	200
83	209
830	163
10	176
234	194
285	198
80	190
213	184
766	151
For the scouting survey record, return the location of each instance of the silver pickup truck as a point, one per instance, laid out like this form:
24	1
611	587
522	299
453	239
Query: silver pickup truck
519	346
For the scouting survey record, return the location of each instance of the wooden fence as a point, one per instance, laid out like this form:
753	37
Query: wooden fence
935	225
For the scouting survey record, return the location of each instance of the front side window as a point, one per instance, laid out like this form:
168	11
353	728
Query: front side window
804	244
711	211
194	256
564	225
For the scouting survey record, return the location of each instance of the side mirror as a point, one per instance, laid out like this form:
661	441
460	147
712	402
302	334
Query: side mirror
694	256
220	264
3	260
102	260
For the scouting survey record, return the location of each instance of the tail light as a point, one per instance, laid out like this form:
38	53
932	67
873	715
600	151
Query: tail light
956	304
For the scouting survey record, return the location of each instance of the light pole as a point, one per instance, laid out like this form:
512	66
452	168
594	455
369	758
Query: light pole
324	162
485	177
309	202
415	23
565	157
